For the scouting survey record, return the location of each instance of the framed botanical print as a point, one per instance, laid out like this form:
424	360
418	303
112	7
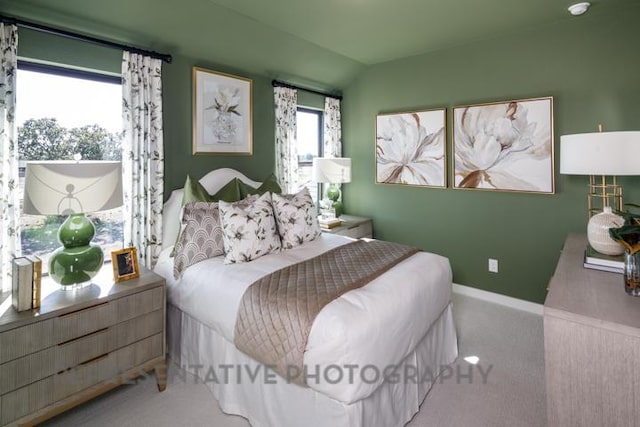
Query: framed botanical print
504	146
411	148
222	113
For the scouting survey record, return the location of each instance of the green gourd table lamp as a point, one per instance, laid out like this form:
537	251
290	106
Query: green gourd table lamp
73	188
333	171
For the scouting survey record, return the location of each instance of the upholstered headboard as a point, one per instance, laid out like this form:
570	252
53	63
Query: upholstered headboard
212	182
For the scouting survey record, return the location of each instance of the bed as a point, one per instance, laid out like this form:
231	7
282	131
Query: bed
373	353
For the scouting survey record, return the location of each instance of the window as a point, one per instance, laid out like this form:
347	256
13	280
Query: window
61	113
309	137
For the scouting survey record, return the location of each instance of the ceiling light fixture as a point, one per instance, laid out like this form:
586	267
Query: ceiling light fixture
579	8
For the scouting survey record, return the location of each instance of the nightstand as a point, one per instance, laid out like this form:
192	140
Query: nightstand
353	226
79	344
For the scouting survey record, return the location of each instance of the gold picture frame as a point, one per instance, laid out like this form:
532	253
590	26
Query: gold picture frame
411	148
222	113
125	264
505	146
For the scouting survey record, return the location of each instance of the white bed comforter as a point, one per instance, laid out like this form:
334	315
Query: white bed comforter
377	325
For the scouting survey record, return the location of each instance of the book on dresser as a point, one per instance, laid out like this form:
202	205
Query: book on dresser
597	261
22	278
328	224
36	287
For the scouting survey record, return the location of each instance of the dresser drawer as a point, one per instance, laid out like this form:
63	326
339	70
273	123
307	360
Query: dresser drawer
26	370
139	328
140	303
106	366
84	322
26	400
140	352
84	376
358	231
24	340
78	351
88	347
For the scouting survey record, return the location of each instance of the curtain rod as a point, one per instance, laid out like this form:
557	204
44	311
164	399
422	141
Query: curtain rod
84	38
277	83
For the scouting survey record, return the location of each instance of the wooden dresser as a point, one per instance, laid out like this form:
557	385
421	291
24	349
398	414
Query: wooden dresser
79	344
592	345
356	227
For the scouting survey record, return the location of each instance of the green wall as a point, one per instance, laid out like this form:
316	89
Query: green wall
177	89
592	69
38	46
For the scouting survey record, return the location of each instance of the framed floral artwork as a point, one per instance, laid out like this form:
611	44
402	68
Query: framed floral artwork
411	148
222	109
504	146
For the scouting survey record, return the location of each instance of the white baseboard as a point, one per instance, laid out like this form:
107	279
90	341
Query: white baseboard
511	302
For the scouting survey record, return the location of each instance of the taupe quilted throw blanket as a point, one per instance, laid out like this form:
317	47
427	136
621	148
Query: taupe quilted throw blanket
277	311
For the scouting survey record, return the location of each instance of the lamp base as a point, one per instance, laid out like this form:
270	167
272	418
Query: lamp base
338	208
77	261
70	266
598	232
333	194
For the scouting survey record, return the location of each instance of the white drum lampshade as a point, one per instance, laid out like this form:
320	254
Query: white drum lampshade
603	154
66	187
332	170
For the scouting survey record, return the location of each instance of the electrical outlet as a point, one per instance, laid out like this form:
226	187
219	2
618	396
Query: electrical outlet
493	265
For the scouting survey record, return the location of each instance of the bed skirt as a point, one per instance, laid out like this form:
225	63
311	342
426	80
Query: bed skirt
244	387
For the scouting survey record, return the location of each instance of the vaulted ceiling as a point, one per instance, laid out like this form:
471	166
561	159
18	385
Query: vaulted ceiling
319	42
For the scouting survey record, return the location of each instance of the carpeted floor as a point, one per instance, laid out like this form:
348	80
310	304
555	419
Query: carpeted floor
508	344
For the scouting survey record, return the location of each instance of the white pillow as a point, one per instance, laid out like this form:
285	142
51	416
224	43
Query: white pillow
248	229
296	218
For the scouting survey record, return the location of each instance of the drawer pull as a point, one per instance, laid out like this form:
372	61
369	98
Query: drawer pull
83	336
95	359
86	362
84	309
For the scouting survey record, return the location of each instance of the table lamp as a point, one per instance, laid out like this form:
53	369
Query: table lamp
73	188
603	156
333	171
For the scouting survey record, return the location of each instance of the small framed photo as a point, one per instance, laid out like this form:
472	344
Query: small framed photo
125	264
222	122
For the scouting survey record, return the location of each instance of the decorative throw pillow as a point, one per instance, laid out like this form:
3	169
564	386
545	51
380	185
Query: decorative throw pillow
195	192
201	237
248	229
296	218
270	184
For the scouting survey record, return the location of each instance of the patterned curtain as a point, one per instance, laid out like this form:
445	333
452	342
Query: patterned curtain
332	128
142	155
286	106
332	131
9	200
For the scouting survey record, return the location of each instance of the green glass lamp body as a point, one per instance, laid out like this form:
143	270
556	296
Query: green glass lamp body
77	261
333	194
